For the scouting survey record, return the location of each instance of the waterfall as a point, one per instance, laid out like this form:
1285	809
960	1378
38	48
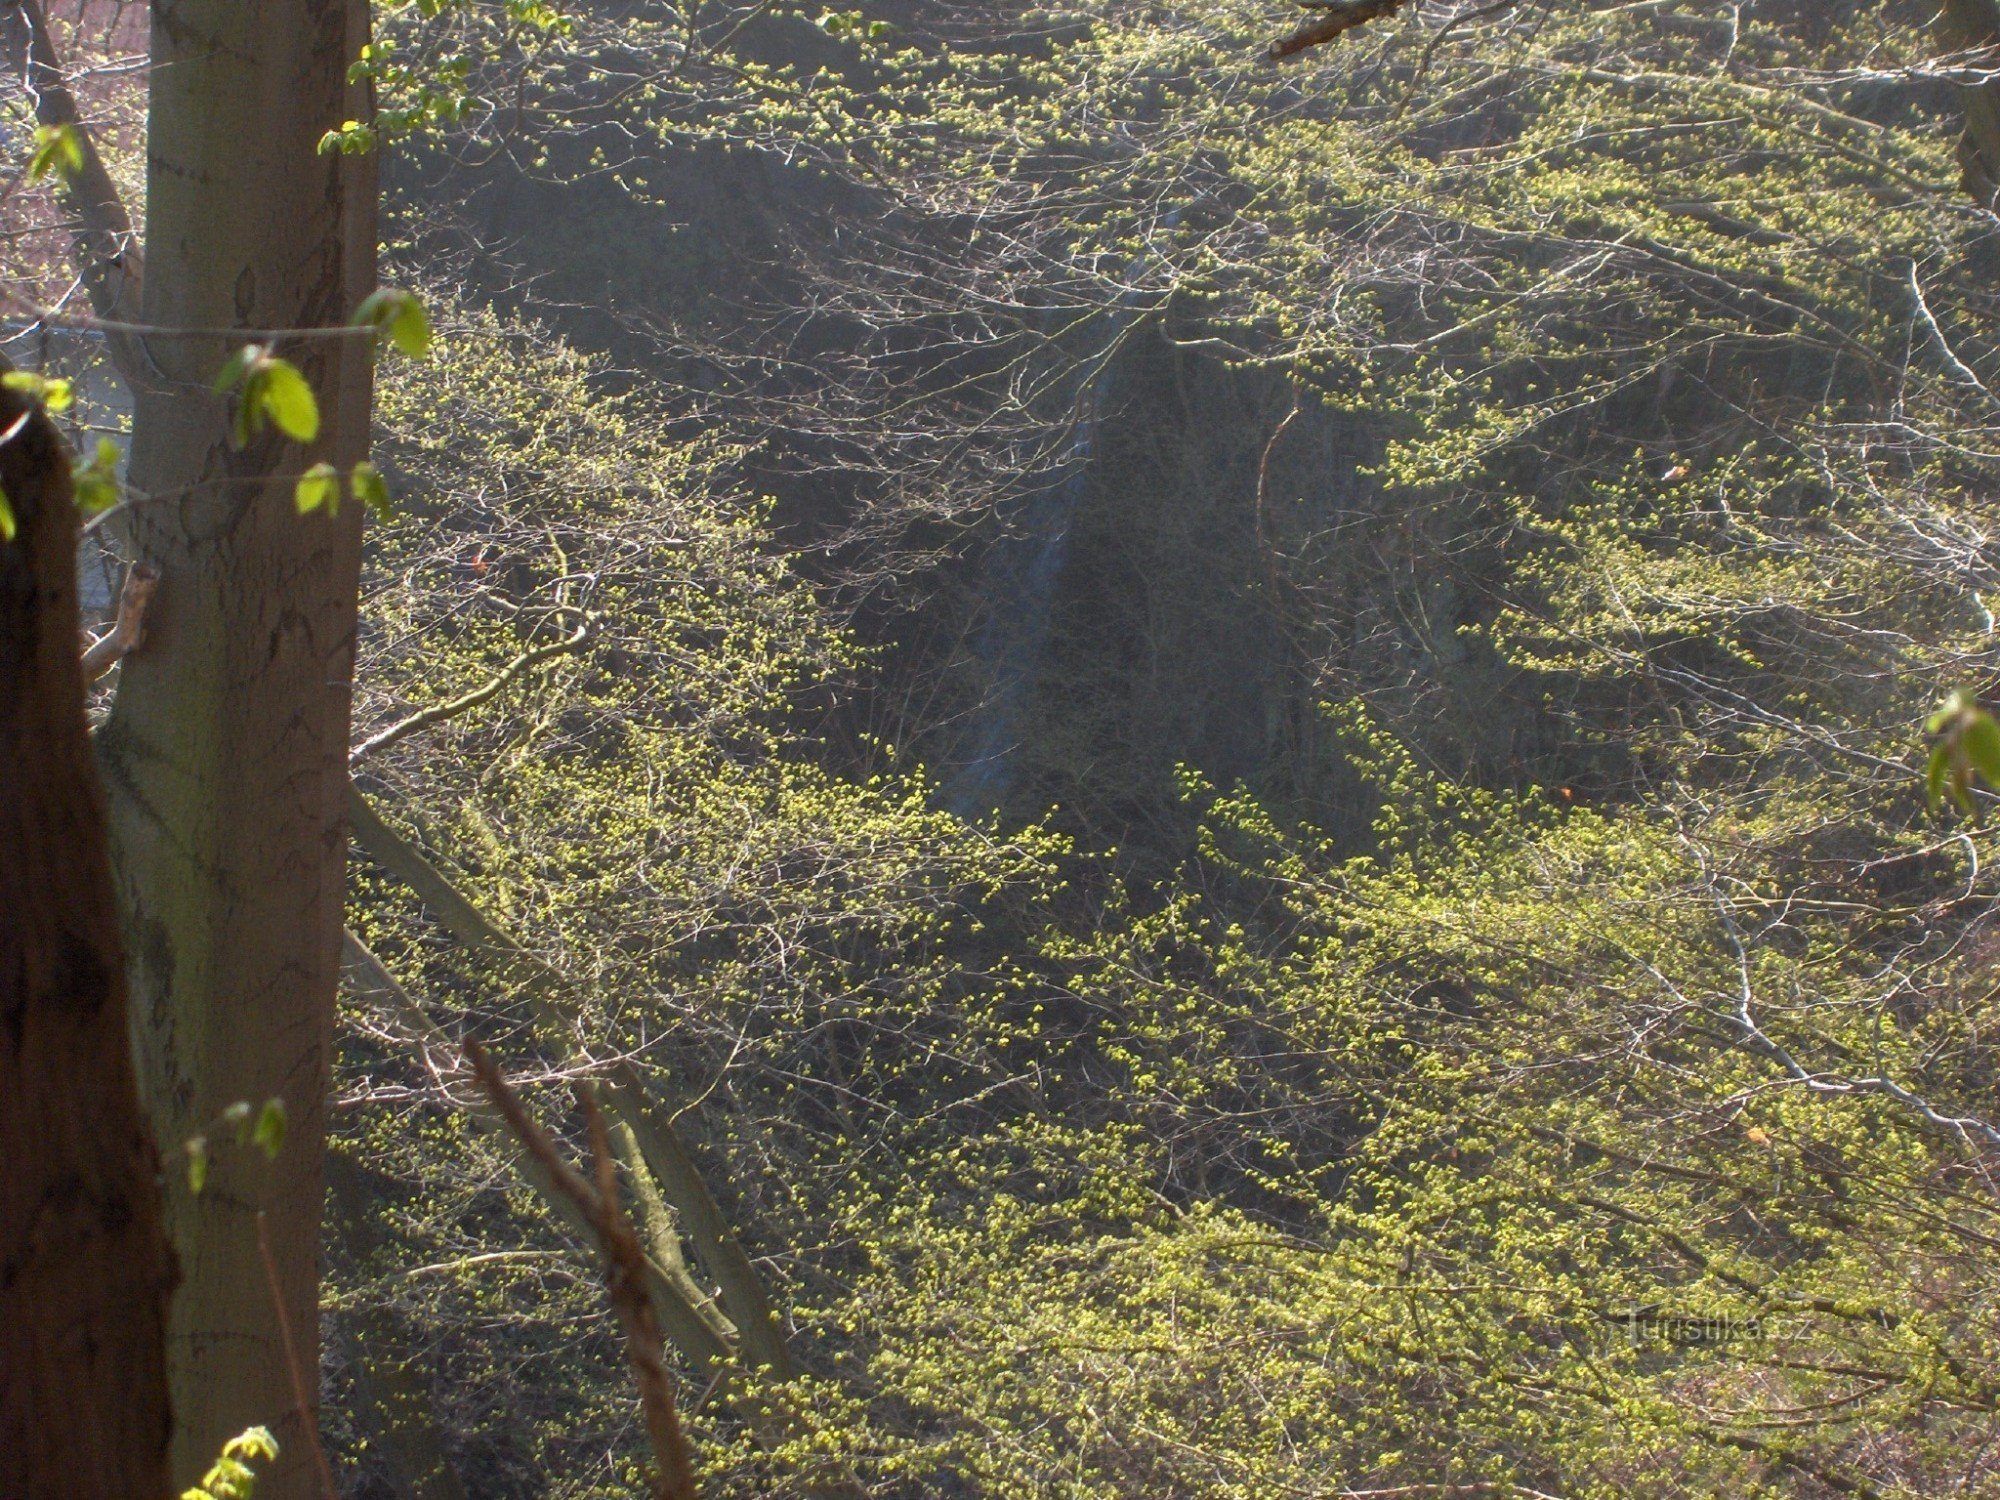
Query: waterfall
1024	571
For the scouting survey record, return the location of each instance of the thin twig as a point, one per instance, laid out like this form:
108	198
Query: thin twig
1443	33
1964	373
624	1265
106	251
304	1408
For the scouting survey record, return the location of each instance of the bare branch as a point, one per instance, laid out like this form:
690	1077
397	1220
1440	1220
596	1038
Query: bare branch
624	1264
108	257
1334	19
438	713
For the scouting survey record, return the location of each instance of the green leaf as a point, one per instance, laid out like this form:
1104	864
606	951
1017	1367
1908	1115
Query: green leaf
8	525
399	317
1936	772
237	1118
372	490
58	150
1981	739
283	395
273	390
56	395
97	481
239	370
253	1442
237	367
197	1154
318	489
268	1134
353	138
230	1477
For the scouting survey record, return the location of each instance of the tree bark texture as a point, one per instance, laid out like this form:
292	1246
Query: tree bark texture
85	1270
1969	26
225	753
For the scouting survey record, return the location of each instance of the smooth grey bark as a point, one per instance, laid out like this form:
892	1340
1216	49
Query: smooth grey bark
224	756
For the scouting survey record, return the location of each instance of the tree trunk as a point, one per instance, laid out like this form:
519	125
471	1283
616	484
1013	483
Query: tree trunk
1966	26
225	753
85	1270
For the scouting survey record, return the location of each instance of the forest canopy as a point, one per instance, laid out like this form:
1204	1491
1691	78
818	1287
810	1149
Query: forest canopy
1208	750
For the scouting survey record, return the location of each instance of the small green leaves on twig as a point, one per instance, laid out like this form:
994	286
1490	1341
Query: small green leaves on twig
318	489
58	153
1968	744
369	487
262	1127
353	138
266	1130
97	481
851	23
398	317
428	95
268	389
230	1477
54	395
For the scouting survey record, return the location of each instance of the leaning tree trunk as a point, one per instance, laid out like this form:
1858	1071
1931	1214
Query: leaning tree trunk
225	754
84	1264
1972	26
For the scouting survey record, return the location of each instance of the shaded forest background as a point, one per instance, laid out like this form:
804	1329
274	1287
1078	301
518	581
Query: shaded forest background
1243	744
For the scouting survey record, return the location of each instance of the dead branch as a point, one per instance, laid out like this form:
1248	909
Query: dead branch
687	1315
624	1264
128	632
1332	20
707	1335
